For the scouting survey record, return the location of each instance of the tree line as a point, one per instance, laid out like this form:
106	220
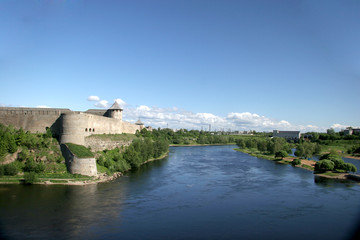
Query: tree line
186	137
280	148
138	152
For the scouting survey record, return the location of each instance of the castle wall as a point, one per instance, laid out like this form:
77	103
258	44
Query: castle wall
100	145
70	126
76	126
32	119
75	165
130	127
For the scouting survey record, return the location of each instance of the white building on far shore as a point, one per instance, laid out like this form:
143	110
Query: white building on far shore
288	135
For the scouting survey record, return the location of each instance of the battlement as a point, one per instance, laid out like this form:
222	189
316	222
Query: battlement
32	111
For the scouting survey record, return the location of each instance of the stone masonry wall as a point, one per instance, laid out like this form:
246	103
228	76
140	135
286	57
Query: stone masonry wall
100	145
32	119
76	126
75	165
130	127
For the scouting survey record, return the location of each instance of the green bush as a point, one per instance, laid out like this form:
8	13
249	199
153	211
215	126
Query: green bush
349	167
40	167
324	165
296	162
281	154
100	160
30	177
23	155
30	165
10	169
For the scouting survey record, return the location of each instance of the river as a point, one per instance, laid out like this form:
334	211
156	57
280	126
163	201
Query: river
210	192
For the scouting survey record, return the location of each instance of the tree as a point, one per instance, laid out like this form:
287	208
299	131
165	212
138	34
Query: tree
241	143
30	165
317	149
262	146
300	151
281	154
350	167
10	141
11	169
324	165
132	157
3	148
330	131
296	162
30	177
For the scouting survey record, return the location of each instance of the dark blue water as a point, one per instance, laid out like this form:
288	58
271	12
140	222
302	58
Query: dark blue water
196	193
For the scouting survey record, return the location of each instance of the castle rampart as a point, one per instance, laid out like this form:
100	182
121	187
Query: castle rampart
32	119
76	126
70	126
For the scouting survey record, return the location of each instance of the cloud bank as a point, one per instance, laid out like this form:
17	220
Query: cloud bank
176	118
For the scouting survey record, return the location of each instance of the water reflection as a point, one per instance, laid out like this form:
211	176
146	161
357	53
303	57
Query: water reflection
195	193
40	211
331	182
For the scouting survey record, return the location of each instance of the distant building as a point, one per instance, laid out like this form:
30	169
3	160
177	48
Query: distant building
288	135
348	132
351	131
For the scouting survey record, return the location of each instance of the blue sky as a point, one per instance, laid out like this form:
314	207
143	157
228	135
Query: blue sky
242	65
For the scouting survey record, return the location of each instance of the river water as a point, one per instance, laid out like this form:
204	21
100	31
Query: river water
210	192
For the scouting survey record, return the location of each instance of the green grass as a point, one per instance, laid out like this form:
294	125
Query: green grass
62	176
10	179
79	150
114	137
332	174
101	169
256	153
307	166
59	181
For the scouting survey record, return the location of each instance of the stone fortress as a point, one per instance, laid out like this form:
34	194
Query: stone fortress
71	127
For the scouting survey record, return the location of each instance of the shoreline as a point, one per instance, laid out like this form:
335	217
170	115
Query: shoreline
352	157
100	178
339	176
200	145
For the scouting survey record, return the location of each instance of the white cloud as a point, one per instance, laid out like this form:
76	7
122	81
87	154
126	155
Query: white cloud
120	102
143	108
177	118
102	104
93	98
42	106
338	126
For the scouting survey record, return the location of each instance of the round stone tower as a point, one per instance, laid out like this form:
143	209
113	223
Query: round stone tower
115	111
140	124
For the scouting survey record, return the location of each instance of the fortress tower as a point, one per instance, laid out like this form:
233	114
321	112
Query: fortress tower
115	111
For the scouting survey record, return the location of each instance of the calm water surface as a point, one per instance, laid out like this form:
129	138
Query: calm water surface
196	193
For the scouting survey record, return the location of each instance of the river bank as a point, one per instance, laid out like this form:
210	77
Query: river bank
305	164
200	145
102	177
